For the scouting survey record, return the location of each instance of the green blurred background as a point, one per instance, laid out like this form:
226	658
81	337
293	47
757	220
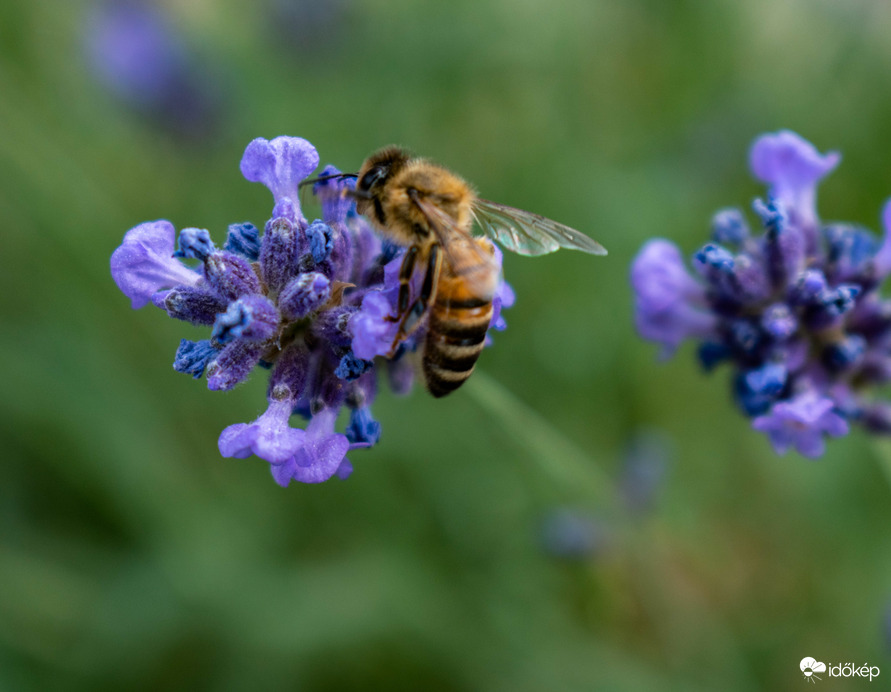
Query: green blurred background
133	557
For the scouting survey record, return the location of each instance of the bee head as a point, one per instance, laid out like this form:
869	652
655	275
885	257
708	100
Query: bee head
378	169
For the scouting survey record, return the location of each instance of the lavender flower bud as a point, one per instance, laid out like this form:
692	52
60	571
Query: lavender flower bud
230	275
243	239
729	227
233	365
193	304
194	243
253	318
279	253
321	240
192	357
304	295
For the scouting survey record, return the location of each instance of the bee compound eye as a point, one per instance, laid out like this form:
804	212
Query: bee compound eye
373	176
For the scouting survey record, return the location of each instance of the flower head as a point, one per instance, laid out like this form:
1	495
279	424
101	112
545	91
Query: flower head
795	311
135	52
311	301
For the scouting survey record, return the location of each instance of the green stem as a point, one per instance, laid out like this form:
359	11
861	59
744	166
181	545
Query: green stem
556	455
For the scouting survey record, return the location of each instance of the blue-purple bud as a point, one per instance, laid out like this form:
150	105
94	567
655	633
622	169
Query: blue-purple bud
230	275
233	365
779	322
192	357
194	243
711	354
844	354
321	240
243	239
362	427
279	254
808	287
193	304
729	227
830	305
351	368
783	244
253	318
743	337
769	379
304	295
754	401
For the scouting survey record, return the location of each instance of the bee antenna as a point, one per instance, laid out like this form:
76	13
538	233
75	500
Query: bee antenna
333	176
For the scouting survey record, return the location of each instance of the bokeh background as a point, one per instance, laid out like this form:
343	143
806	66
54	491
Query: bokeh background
579	516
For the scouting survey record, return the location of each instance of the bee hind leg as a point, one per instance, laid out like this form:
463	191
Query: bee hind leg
406	269
412	316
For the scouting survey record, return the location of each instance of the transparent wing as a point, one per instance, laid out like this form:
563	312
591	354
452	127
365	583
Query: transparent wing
465	254
527	233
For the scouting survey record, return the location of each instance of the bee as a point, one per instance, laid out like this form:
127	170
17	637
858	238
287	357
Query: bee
431	212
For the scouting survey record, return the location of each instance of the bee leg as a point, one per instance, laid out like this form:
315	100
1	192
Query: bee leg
412	318
406	269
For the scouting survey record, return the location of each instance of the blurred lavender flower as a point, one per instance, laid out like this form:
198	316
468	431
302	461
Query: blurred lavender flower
644	469
796	310
135	52
306	300
574	534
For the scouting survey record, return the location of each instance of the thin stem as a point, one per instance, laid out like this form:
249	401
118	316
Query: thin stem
553	452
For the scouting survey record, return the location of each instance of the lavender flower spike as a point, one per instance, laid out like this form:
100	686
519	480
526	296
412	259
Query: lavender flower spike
312	303
144	263
796	312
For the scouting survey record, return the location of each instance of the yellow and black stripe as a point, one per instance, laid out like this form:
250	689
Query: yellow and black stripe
455	336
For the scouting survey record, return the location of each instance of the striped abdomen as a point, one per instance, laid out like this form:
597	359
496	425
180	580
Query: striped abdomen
456	332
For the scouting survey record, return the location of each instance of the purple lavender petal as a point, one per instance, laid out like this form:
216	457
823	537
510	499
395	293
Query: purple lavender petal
269	437
280	165
323	451
792	167
143	264
373	333
801	422
669	302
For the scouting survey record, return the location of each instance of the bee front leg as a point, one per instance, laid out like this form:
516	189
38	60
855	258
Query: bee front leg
406	269
411	320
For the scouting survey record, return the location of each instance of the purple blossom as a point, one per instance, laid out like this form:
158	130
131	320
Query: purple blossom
280	164
792	167
801	422
309	301
269	437
319	457
144	263
134	51
795	311
670	304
